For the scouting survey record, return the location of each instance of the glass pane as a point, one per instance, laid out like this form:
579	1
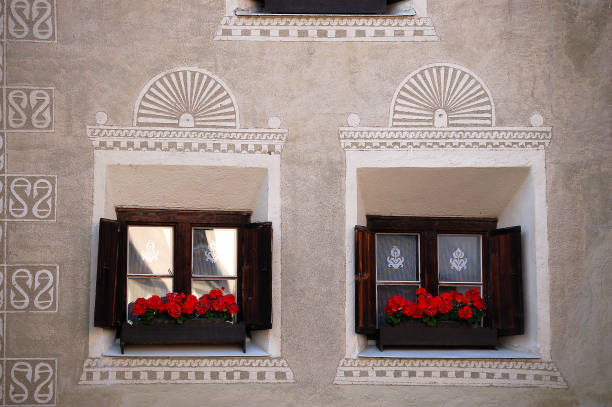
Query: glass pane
461	289
214	252
459	258
384	292
397	257
201	287
150	250
146	287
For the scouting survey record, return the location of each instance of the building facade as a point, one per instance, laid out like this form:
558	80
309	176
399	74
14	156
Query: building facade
311	125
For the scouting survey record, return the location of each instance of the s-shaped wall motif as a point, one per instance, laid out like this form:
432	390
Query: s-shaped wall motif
26	288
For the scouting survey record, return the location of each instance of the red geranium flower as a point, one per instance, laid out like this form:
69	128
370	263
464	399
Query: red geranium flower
232	309
465	312
202	307
479	303
139	307
473	294
409	309
394	304
445	307
418	312
155	303
430	310
174	309
215	293
421	291
446	296
229	299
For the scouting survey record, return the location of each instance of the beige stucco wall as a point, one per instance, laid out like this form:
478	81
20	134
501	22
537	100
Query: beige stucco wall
544	56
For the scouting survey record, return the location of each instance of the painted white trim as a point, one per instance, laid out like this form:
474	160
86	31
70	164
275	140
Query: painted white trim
251	141
107	371
326	28
453	158
450	372
398	138
100	339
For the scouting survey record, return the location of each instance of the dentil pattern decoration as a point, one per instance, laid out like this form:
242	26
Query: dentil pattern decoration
26	288
442	105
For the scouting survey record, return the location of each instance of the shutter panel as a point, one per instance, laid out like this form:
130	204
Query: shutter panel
505	290
255	279
365	281
107	313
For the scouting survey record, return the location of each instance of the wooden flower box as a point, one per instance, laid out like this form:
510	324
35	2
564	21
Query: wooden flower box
445	334
191	332
325	6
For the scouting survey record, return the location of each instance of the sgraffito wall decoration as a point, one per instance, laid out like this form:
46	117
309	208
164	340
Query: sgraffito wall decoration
192	111
444	108
26	288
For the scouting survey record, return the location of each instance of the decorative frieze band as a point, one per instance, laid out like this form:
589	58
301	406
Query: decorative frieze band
326	28
253	141
449	372
363	138
202	371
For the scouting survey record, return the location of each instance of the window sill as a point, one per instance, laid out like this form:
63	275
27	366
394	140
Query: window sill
372	352
131	351
410	13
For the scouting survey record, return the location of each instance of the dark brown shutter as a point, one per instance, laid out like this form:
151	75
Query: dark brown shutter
255	279
107	313
505	290
365	281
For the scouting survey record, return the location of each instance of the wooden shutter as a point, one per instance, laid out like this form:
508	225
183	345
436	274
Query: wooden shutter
107	312
255	278
365	281
505	288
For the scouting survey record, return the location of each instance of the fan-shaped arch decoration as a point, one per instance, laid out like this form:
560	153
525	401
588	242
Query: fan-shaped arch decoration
442	95
186	97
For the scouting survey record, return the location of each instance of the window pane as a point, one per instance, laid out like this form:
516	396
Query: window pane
150	250
146	287
214	252
201	287
459	258
384	292
397	257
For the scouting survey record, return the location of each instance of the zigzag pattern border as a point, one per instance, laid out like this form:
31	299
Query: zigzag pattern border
379	138
450	372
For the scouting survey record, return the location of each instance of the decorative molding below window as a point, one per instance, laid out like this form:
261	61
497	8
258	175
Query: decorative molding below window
326	28
379	138
251	141
109	371
428	372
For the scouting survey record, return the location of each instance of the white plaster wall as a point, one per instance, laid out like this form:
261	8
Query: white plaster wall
195	181
521	211
509	185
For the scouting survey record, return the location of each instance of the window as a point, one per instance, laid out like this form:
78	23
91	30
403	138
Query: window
326	7
152	252
396	255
